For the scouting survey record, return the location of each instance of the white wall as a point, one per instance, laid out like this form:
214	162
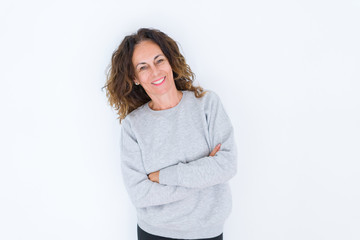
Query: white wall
286	71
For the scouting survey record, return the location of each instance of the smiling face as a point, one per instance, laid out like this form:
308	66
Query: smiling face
152	69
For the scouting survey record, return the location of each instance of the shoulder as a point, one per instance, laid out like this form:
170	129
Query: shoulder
209	96
210	100
209	103
134	116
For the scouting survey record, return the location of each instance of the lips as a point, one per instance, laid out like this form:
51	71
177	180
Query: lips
159	81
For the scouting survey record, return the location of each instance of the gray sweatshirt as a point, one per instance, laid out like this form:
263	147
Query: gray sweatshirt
193	198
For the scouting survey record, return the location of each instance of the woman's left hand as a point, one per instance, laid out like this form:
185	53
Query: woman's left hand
154	176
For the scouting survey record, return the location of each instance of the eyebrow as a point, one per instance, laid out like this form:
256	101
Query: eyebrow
154	59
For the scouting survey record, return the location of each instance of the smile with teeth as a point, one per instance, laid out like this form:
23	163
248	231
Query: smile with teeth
160	81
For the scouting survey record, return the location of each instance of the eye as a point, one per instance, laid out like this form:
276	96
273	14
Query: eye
160	60
142	68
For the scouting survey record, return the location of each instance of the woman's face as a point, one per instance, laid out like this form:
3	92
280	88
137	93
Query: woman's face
152	69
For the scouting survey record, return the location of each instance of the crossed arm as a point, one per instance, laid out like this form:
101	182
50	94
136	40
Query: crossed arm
219	167
179	181
154	176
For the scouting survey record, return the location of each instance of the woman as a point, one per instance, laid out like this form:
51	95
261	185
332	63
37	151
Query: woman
169	127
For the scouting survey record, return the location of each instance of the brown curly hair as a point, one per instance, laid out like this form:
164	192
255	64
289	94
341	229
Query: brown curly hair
123	95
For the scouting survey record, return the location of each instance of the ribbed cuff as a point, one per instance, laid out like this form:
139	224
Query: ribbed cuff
169	176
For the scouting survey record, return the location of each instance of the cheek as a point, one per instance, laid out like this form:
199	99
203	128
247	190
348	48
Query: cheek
168	69
142	77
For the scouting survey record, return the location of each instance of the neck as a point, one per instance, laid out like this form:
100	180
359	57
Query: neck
165	101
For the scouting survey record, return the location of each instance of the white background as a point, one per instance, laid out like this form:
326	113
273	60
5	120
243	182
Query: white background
287	73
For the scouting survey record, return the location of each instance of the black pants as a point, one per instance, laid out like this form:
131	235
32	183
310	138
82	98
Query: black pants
142	235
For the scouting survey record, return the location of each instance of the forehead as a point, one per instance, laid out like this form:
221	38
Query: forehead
145	51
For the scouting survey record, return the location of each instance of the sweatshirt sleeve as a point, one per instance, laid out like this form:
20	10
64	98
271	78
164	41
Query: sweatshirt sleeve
142	191
208	171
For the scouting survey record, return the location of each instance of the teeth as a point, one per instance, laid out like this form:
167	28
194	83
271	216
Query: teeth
159	81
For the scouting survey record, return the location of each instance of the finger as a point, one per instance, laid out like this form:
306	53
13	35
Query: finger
215	150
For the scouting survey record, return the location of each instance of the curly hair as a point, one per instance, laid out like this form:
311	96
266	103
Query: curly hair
123	95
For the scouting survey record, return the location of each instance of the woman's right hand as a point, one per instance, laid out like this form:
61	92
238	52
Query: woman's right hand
215	150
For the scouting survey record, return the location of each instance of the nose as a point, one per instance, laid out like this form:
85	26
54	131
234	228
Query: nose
155	70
